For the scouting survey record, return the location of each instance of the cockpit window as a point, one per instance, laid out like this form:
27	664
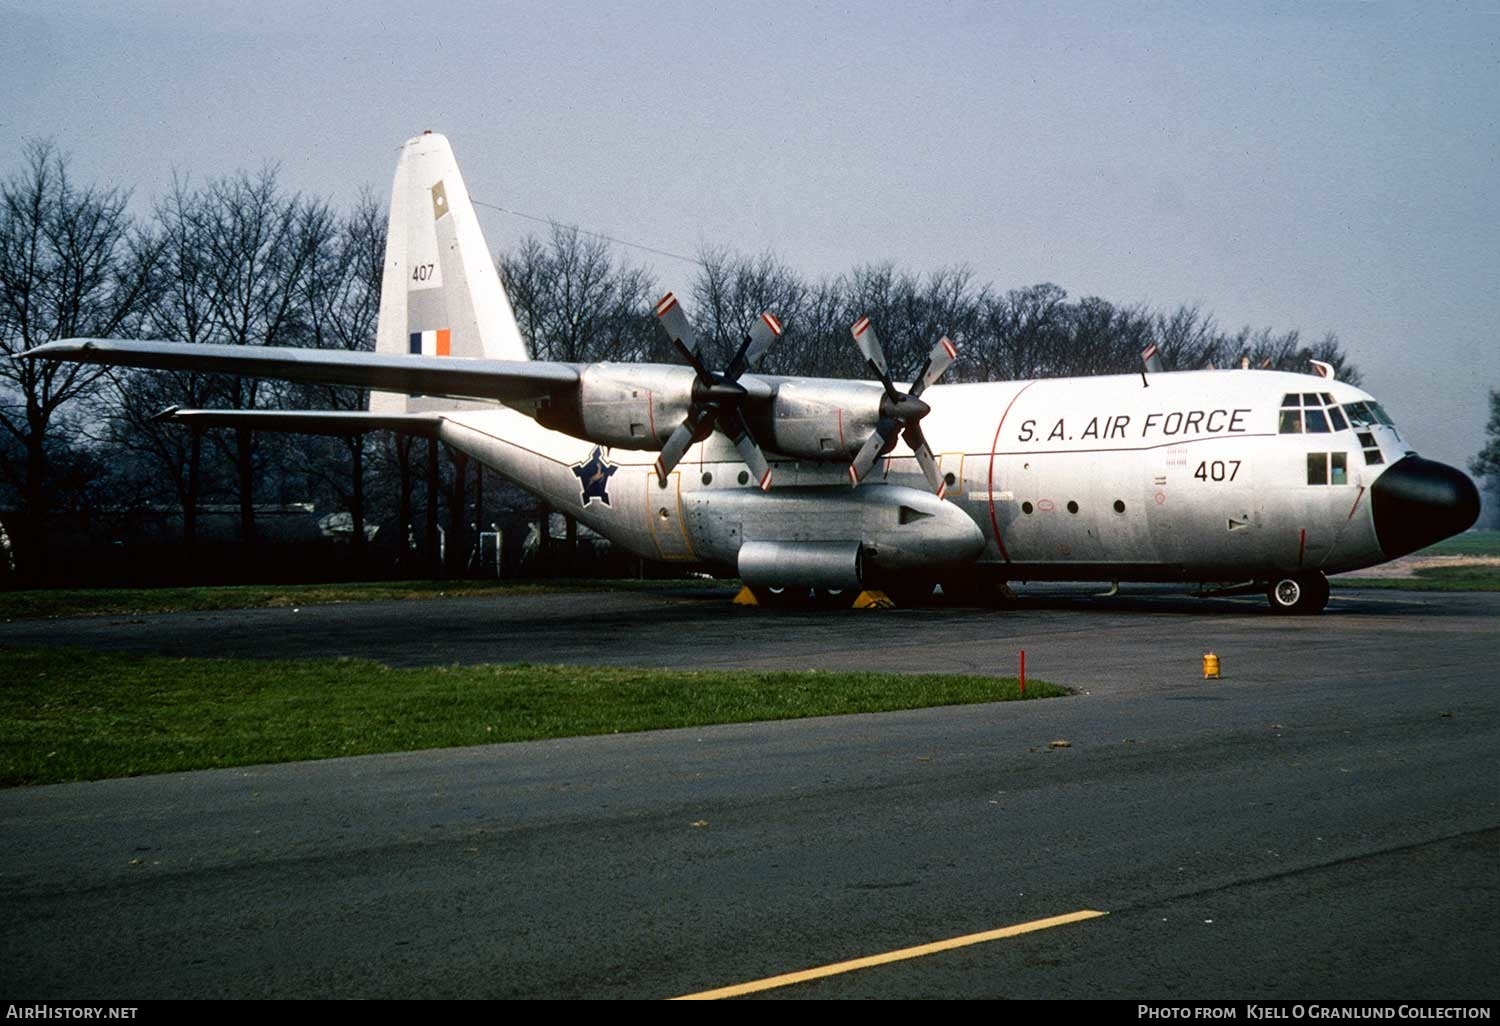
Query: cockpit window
1291	399
1336	418
1327	399
1317	424
1310	399
1291	422
1380	414
1359	414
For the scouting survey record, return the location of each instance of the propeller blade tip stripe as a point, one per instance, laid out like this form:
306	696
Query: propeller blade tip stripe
666	303
860	326
772	323
949	347
942	491
853	477
765	481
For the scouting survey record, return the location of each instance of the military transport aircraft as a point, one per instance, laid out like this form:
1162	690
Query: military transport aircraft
1242	479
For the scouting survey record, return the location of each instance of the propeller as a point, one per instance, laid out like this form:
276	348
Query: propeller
716	397
900	412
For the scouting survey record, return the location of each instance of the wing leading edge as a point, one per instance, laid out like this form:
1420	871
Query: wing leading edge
449	377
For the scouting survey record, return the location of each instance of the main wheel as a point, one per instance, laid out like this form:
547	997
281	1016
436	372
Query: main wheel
1299	594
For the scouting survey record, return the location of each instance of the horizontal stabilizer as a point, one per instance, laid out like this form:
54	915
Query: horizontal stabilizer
307	422
447	376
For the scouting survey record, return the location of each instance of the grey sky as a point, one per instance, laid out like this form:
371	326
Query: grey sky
1327	167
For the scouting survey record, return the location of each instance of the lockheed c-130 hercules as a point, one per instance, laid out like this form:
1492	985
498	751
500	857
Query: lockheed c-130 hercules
1234	478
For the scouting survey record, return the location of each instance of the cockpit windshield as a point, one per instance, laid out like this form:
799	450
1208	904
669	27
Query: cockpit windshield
1304	412
1365	414
1316	413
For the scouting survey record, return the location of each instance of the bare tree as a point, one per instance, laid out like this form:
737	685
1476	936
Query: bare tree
341	299
259	243
730	290
575	303
71	264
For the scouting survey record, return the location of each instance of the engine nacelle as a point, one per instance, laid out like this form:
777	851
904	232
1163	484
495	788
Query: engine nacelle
638	406
628	406
821	420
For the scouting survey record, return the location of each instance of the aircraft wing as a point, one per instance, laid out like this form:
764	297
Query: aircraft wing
307	422
447	376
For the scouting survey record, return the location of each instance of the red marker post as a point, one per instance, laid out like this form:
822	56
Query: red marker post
1023	673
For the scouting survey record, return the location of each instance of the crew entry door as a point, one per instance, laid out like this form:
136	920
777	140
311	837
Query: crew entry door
664	514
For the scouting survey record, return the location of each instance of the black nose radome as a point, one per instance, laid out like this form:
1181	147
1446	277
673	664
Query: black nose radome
1417	502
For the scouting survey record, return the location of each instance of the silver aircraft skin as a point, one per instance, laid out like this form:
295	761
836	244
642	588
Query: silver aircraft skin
1236	478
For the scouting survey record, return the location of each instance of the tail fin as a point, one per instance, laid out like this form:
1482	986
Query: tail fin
440	295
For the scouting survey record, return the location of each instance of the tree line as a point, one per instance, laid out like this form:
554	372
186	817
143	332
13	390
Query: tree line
241	260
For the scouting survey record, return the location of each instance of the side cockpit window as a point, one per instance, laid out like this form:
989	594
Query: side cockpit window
1328	468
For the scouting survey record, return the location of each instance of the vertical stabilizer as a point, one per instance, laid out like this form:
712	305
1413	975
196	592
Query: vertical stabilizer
440	294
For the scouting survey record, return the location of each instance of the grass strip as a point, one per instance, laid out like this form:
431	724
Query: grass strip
1431	578
1470	543
69	714
62	602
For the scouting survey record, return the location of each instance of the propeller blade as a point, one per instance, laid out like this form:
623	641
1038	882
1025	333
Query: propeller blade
1151	358
763	334
943	354
869	344
675	323
765	331
681	440
923	451
732	423
878	443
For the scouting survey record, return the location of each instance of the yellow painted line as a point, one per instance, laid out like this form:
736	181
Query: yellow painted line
787	979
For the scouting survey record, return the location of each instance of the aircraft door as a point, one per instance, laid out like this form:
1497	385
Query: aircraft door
664	514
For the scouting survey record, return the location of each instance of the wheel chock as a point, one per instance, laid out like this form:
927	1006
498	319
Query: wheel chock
746	597
873	600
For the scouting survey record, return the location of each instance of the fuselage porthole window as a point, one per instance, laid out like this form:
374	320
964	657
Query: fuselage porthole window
1026	508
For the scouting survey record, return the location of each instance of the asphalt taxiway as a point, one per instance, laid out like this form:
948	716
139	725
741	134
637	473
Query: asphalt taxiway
1323	822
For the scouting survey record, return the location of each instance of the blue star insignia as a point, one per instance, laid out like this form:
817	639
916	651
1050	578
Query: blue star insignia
593	475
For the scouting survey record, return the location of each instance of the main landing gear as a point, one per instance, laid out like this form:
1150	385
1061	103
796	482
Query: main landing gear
1298	594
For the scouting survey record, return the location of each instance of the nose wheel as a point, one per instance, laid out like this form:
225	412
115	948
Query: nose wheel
1299	594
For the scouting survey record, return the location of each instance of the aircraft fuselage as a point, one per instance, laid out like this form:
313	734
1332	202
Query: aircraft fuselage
1193	476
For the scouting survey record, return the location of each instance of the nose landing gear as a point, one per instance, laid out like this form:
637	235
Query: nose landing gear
1298	594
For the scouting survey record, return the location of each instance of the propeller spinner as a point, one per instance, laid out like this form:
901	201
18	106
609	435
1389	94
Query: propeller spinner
716	397
900	412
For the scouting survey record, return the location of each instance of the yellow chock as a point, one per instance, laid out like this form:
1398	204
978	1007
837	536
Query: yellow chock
746	597
1211	666
873	600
